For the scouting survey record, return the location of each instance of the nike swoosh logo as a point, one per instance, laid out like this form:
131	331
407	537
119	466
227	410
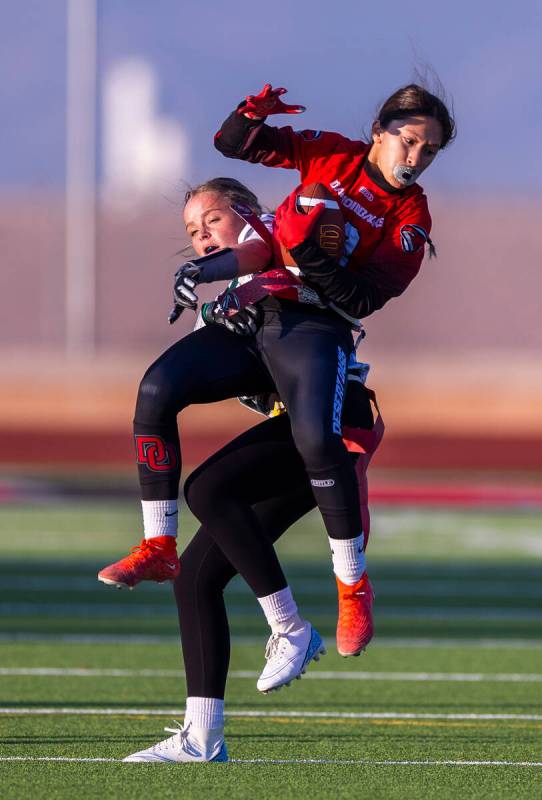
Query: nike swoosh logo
172	514
171	566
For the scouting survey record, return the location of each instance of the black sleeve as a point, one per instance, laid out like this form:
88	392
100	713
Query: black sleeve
236	135
253	141
359	294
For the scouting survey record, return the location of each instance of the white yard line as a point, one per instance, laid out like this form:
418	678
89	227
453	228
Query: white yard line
62	758
419	613
454	677
385	586
389	762
293	761
275	714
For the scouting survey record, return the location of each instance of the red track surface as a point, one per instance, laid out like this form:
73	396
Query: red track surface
433	457
456	495
87	448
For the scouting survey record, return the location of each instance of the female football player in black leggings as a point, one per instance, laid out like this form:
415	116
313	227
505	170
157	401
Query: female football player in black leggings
245	541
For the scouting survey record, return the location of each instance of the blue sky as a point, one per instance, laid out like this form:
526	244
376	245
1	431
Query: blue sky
339	59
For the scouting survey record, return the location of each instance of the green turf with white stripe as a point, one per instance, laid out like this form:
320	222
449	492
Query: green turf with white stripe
459	713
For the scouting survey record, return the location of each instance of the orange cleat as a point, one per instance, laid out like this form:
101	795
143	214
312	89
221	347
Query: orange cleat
153	560
355	624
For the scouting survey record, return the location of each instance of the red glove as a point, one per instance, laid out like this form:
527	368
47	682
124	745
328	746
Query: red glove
292	226
267	102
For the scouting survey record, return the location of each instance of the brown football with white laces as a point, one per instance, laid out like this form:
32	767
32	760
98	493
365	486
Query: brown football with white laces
328	231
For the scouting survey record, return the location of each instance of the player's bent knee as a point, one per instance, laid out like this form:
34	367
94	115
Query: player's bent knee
157	398
205	490
197	492
320	448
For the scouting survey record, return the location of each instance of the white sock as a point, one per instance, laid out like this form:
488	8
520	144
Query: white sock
205	712
205	716
348	559
160	518
280	611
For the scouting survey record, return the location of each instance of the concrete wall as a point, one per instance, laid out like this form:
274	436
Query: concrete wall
481	293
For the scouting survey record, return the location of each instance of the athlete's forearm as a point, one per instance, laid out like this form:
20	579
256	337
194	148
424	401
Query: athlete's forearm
252	256
231	262
359	294
236	135
254	141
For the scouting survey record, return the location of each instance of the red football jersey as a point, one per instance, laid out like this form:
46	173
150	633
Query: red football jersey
385	229
381	225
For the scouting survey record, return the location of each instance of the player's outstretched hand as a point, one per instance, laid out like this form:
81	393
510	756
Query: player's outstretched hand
292	226
259	106
243	323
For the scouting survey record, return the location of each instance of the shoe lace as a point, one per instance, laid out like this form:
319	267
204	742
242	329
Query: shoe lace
274	646
145	548
179	737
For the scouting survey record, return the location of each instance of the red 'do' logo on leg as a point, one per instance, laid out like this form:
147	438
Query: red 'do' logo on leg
155	453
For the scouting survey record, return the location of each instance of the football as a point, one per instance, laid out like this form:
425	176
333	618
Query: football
329	229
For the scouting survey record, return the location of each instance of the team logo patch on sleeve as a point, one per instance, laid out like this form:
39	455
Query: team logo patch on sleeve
413	238
309	136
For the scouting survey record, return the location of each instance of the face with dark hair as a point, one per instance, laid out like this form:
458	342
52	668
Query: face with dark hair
403	149
210	222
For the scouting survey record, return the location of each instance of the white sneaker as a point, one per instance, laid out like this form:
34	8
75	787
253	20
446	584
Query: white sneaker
179	748
288	655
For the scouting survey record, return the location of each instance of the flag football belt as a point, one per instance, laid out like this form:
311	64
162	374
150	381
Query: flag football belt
361	440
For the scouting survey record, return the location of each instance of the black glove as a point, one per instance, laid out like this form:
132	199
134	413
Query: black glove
217	266
186	279
357	293
243	323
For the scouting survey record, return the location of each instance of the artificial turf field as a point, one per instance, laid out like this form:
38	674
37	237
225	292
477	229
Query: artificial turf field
446	702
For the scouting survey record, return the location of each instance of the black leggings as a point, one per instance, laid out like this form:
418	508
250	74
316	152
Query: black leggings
300	352
259	474
256	456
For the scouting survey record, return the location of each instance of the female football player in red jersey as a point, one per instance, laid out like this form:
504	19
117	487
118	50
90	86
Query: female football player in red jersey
386	212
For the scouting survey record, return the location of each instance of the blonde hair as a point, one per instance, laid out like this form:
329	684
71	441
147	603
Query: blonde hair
231	189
